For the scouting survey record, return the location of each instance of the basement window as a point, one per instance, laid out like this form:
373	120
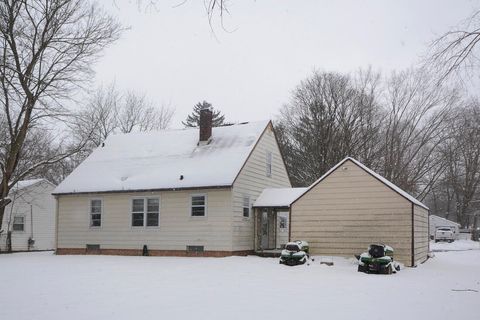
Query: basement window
92	247
96	213
198	205
195	248
18	223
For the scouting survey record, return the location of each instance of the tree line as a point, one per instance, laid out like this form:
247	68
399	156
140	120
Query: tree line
413	127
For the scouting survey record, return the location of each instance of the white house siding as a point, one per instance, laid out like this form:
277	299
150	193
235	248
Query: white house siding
349	210
177	228
36	201
251	181
420	234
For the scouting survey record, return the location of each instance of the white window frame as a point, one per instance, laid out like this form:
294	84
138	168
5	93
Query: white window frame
246	204
205	205
90	213
268	163
24	223
145	212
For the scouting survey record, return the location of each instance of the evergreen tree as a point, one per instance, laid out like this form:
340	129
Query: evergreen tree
193	119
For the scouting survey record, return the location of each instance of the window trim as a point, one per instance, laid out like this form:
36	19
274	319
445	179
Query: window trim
205	205
145	212
24	223
249	206
269	164
90	213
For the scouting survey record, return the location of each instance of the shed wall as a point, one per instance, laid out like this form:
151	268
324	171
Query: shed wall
420	234
349	210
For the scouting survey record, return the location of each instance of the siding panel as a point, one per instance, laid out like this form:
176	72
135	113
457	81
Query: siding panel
349	210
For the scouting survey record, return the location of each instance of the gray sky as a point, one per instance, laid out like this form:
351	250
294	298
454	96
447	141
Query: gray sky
249	72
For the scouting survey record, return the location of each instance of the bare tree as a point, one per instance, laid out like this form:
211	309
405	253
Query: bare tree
47	49
461	152
417	109
108	111
330	116
457	49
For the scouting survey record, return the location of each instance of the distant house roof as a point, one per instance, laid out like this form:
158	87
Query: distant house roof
25	184
278	197
375	175
168	159
443	220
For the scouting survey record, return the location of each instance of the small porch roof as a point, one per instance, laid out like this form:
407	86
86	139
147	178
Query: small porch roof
278	197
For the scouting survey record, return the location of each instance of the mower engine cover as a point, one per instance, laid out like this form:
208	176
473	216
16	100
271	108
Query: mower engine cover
294	253
378	259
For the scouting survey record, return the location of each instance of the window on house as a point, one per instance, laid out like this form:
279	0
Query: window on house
95	213
18	224
246	206
153	210
269	164
145	212
138	206
198	202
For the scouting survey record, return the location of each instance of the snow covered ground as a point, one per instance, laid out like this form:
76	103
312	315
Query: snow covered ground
457	245
45	286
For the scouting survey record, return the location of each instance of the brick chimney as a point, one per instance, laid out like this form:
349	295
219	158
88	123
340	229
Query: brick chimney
206	116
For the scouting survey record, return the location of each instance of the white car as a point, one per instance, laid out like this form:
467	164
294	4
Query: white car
444	234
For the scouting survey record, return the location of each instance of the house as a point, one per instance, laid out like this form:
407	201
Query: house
30	217
347	209
436	222
172	192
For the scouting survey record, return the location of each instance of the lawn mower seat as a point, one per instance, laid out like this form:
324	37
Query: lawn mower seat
376	251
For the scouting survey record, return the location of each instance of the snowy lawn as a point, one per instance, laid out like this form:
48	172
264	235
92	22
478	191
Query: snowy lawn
457	245
45	286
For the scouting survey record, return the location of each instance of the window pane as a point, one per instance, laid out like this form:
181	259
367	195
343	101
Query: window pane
137	205
246	212
96	206
137	219
198	211
152	219
18	220
198	200
96	220
153	205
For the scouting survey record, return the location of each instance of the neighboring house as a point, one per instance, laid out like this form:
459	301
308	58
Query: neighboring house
349	208
30	217
438	222
177	192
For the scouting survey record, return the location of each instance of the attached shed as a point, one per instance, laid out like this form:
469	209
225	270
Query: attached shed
351	206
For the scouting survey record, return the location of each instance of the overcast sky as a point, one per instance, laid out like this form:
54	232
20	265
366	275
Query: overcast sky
171	54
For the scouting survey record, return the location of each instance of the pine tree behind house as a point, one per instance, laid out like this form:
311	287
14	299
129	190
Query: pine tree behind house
193	119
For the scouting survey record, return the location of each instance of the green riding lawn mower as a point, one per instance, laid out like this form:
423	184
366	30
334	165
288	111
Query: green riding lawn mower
295	253
378	259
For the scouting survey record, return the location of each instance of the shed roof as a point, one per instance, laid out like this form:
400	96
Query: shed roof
278	197
168	159
375	175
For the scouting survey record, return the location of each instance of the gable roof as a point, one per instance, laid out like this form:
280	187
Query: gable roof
23	184
372	173
157	160
278	197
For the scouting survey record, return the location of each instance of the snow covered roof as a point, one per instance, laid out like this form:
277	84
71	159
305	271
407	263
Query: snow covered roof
168	159
25	184
278	197
443	220
374	174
